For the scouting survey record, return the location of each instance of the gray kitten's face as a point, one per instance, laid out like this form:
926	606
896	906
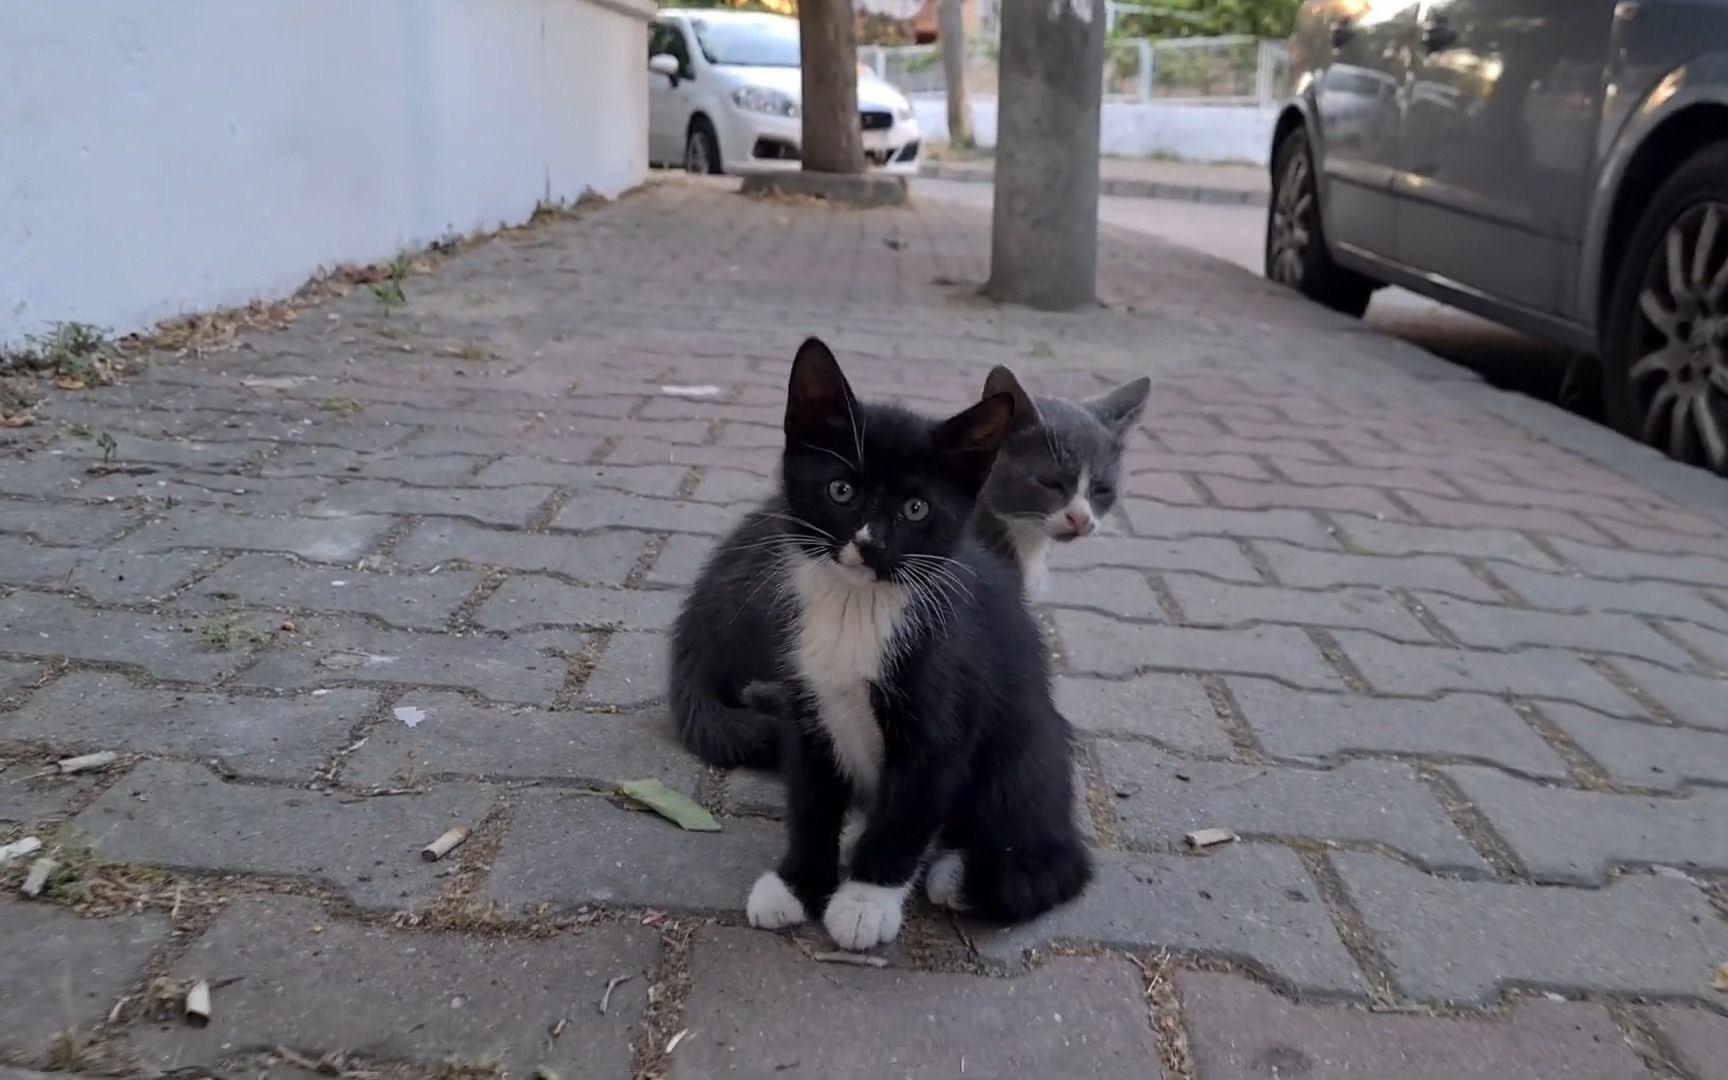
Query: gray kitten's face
1058	477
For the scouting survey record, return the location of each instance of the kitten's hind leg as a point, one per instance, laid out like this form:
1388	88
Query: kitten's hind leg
1024	882
942	882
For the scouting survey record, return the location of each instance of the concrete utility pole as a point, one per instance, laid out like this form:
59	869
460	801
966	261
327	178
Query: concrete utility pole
828	53
951	30
1044	243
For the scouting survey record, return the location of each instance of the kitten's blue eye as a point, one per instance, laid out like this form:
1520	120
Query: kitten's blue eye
841	491
916	509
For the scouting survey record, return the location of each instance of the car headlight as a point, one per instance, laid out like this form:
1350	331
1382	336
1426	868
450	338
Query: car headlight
759	99
903	111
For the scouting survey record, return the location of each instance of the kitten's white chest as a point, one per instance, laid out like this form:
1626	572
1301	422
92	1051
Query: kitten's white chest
846	638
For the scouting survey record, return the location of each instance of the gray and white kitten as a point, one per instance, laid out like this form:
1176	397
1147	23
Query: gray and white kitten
1058	474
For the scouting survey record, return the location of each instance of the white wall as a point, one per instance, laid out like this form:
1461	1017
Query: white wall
164	156
1204	133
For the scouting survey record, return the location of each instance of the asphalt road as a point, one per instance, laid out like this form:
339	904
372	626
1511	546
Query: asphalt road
1504	357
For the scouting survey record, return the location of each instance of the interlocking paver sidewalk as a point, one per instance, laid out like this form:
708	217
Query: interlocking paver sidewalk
1451	664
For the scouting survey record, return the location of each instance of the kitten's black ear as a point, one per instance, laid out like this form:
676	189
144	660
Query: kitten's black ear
820	408
1120	408
1002	381
971	439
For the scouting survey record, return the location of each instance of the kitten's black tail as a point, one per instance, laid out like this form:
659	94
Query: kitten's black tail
726	736
1015	886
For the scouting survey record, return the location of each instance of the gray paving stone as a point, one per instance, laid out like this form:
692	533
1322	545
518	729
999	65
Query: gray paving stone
425	471
1205	602
106	576
524	602
1303	725
1569	592
680	561
759	1007
1496	626
1203	556
1419	671
600	558
1623	565
1098	645
1325	569
659	480
1159	798
59	970
1465	940
1113	590
321	983
271	738
331	651
634	450
588	511
497	506
15	678
335	540
1693	699
171	813
63	523
1699	1038
1576	837
632	671
1710	644
751	791
1402	538
28	795
416	601
1646	755
39	624
1173	709
1161	520
457	738
1241	1029
572	850
732	487
1252	903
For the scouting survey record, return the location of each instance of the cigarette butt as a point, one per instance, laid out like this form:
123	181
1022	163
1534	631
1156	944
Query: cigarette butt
37	878
1205	838
86	762
445	844
198	1004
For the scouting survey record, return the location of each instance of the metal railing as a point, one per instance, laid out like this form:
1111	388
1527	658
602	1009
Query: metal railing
1235	70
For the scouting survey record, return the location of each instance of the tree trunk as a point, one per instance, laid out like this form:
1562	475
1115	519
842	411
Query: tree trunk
951	30
833	138
1044	240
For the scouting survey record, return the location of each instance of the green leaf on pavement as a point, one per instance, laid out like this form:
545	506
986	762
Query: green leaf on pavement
674	806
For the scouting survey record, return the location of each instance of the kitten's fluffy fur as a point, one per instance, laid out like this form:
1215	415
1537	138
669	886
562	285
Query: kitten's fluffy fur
1062	457
1058	474
918	682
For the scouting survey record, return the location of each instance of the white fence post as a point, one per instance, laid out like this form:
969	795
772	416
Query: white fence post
1143	84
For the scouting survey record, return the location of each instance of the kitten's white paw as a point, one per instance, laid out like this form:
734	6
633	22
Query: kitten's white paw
942	881
864	916
850	833
771	905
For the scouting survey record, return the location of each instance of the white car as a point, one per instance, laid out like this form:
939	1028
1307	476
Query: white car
724	90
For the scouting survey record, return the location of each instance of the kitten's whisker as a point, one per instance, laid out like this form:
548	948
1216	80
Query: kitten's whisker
776	515
841	458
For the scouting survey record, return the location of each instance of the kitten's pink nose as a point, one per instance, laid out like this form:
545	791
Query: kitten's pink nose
1082	523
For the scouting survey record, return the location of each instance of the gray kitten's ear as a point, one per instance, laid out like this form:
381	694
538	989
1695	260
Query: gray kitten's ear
1120	408
1002	381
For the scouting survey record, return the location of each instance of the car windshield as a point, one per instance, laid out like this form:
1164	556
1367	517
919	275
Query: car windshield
748	43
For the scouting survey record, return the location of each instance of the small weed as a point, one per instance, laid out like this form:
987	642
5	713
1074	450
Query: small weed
342	406
108	445
227	633
389	292
79	431
77	354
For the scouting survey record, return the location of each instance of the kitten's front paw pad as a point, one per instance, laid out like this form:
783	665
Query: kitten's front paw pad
850	834
771	905
942	881
864	916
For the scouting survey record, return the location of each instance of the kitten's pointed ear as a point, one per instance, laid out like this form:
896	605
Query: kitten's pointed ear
1120	408
820	408
1002	381
971	439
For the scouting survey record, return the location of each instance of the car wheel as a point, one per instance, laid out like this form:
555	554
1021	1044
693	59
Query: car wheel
1296	252
1665	340
701	149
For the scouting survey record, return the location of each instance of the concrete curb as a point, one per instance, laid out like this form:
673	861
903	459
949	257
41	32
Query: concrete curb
1121	187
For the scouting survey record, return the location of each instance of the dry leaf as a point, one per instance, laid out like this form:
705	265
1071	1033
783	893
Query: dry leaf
1720	982
71	384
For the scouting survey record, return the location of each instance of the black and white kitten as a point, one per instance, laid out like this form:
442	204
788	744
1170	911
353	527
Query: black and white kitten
1054	480
919	685
1057	476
